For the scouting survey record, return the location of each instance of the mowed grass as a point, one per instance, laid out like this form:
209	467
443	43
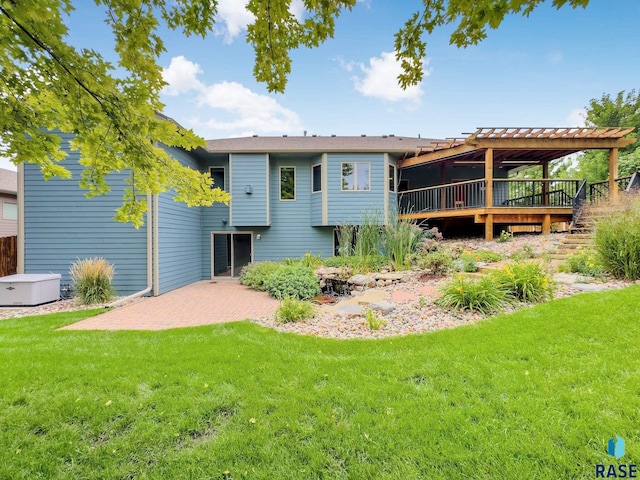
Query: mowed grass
535	394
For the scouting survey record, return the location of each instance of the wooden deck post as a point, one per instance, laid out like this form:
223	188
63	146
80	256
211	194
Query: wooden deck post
488	177
488	192
546	224
545	185
613	174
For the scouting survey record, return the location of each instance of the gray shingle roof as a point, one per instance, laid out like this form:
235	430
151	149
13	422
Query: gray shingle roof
8	181
319	144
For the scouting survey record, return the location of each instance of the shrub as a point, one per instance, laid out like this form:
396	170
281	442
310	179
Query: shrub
293	281
487	256
307	260
525	253
255	275
373	320
91	279
584	263
438	262
525	281
294	310
504	236
467	263
617	240
356	264
482	295
433	234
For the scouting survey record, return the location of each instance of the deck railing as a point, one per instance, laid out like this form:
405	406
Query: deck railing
600	190
506	192
534	193
452	196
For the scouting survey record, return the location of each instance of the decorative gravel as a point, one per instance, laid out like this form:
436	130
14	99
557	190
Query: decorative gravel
416	316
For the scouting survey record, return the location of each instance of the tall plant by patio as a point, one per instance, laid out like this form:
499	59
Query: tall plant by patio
402	237
91	279
369	241
617	240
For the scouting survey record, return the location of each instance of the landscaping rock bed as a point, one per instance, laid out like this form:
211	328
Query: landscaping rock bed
408	306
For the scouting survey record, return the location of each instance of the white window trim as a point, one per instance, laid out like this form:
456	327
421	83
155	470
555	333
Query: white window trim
224	173
295	184
355	177
395	178
4	215
321	175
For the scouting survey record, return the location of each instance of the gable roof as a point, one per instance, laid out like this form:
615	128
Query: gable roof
8	181
319	144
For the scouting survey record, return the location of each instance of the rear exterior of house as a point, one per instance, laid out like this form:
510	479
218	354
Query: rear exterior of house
288	196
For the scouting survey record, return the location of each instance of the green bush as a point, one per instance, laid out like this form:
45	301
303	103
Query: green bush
255	275
467	263
438	262
357	264
373	320
487	256
294	310
504	236
525	253
617	240
91	279
525	281
295	281
482	294
584	263
307	260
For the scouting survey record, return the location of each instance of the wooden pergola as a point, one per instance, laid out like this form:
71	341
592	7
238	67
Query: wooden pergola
513	148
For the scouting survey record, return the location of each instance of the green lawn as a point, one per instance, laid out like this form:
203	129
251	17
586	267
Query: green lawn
535	394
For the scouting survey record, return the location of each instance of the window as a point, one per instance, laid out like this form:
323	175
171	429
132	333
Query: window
287	183
355	176
217	174
392	178
9	211
316	174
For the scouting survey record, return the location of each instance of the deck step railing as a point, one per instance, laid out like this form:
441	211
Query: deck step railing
600	190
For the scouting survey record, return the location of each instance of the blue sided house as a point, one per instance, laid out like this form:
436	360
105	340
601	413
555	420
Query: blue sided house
288	195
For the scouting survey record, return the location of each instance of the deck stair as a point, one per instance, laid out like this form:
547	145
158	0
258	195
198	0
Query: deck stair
582	231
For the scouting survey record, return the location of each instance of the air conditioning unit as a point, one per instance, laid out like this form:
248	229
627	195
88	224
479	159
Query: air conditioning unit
29	289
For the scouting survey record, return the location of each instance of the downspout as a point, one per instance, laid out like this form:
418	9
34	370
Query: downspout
20	239
156	257
150	257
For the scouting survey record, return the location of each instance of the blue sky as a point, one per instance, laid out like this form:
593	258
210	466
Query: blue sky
535	71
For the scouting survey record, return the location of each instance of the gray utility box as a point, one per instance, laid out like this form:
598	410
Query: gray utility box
29	289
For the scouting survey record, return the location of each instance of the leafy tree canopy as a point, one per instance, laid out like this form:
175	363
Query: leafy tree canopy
49	86
621	110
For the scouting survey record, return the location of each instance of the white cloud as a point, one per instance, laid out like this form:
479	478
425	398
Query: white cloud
235	18
380	80
555	57
576	117
227	108
249	112
181	76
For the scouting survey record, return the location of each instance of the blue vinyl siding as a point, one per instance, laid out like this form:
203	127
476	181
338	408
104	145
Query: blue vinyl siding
213	218
179	242
62	225
316	209
291	233
249	209
351	206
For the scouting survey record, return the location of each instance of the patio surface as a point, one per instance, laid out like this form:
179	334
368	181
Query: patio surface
202	303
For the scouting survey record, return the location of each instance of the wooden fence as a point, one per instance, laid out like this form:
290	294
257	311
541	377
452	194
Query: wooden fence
8	255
